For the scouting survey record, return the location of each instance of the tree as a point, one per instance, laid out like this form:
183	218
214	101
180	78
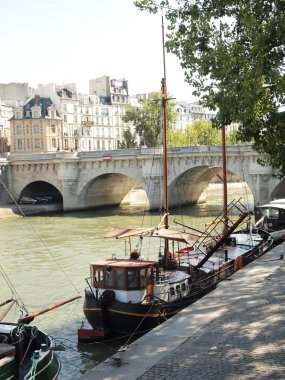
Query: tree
176	138
232	53
129	140
202	133
147	119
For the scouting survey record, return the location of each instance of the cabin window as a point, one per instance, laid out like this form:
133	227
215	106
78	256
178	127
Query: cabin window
98	280
273	213
143	278
172	291
133	278
109	279
183	287
120	278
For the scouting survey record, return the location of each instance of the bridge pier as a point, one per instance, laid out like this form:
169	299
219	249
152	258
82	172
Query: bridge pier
71	200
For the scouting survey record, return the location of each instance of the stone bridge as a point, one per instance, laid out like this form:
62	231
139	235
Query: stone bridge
82	180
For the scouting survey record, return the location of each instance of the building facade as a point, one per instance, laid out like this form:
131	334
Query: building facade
36	127
6	112
187	113
59	118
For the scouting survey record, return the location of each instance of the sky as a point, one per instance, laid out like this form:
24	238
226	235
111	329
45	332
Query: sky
64	41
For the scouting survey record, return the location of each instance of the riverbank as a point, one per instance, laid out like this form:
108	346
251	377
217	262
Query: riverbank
7	212
235	332
28	210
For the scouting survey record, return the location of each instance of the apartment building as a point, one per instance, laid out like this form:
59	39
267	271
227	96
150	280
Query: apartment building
36	127
89	121
187	113
115	93
68	120
15	91
6	112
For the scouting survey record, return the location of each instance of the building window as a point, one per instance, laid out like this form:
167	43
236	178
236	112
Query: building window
36	129
75	108
105	112
65	118
64	107
52	127
37	143
19	144
19	130
75	119
27	129
65	144
28	144
52	114
53	142
36	114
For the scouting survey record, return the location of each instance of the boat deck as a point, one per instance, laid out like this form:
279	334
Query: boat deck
220	336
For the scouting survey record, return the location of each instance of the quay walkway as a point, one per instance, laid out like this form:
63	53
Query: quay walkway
235	332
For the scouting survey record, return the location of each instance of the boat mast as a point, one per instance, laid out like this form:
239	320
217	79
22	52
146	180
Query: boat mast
165	157
164	129
225	187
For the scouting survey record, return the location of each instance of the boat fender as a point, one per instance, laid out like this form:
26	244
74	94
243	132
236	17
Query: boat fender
3	339
108	296
89	294
34	332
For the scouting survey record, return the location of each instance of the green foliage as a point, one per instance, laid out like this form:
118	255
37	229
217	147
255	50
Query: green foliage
232	53
147	119
202	133
176	138
129	140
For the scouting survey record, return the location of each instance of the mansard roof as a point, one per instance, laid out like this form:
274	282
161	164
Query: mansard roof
43	102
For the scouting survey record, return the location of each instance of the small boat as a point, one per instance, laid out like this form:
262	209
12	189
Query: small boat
271	217
27	352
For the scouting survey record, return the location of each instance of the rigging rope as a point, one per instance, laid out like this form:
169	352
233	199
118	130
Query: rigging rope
13	290
40	240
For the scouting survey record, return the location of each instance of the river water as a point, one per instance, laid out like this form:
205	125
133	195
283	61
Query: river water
46	259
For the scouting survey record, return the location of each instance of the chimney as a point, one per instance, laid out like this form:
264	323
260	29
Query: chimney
37	100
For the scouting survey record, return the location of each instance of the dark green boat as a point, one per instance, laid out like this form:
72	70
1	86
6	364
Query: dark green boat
26	353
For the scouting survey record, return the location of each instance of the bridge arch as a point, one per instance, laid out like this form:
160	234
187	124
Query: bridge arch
188	186
279	191
40	192
110	189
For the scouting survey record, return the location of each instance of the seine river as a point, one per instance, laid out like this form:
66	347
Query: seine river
46	259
